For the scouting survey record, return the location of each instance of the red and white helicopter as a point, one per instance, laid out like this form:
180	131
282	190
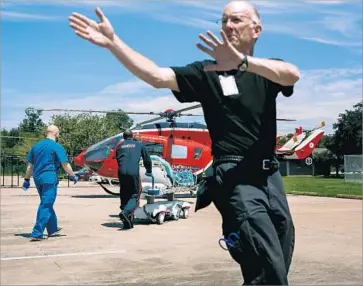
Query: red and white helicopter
185	146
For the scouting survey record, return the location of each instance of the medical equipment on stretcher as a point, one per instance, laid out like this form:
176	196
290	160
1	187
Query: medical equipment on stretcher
159	211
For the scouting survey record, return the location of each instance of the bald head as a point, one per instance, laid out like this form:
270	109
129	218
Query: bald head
53	132
242	7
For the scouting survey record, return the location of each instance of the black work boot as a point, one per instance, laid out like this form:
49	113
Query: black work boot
127	224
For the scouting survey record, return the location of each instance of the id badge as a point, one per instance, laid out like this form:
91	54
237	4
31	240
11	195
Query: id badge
229	85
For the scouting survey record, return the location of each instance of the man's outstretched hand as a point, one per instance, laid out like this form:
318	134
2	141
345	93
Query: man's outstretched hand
101	33
226	56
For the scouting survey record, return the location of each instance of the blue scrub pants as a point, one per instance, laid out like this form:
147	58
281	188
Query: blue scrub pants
46	217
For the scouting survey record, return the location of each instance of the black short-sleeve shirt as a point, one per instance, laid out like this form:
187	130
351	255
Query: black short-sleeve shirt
240	124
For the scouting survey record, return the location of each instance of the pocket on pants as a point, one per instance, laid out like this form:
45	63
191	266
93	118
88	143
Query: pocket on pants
204	193
237	250
226	176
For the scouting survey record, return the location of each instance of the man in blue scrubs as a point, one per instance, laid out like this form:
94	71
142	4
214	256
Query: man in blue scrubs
44	160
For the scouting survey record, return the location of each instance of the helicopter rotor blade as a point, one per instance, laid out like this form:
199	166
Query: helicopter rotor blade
161	114
287	120
143	113
188	108
74	110
187	114
93	111
113	111
149	121
321	125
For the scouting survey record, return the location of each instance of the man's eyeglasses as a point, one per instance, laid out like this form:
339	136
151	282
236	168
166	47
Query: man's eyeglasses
235	20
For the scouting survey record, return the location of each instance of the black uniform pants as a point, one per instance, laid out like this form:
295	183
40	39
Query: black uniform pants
253	204
130	191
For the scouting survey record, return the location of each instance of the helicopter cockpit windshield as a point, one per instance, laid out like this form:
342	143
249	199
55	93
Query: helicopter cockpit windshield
102	150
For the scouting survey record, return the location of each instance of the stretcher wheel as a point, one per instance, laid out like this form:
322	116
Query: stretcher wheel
160	218
185	213
178	214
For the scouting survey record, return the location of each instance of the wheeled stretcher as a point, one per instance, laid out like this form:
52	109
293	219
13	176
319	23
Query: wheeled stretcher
159	211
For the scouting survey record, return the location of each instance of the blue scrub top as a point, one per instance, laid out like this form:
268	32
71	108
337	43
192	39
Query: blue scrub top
46	156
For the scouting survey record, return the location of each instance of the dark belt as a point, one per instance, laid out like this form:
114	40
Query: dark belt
266	164
227	159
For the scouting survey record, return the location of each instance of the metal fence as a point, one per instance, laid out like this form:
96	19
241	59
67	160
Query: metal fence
353	168
13	168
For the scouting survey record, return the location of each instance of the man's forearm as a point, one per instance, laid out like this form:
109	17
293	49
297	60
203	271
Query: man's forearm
280	72
68	169
137	64
28	172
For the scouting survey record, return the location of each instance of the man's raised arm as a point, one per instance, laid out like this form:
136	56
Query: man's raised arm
229	58
142	67
277	71
102	34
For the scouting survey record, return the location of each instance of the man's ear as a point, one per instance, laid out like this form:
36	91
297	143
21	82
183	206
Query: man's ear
258	30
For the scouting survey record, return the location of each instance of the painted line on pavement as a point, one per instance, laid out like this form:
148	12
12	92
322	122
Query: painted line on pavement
62	255
15	228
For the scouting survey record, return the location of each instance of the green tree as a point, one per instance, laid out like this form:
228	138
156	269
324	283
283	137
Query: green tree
324	141
28	140
118	121
9	138
347	139
19	140
32	122
285	138
83	130
323	162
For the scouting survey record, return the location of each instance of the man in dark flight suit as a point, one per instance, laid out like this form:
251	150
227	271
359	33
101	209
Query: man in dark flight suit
128	155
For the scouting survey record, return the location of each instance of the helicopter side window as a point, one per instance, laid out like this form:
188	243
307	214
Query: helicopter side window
197	153
154	148
179	152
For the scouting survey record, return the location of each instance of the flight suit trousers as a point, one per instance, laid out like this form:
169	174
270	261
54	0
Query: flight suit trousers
130	191
46	217
253	204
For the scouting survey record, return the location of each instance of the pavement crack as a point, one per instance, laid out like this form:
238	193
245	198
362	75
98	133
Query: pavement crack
58	265
65	273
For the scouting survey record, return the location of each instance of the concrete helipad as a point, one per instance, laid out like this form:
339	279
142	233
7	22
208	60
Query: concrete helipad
94	251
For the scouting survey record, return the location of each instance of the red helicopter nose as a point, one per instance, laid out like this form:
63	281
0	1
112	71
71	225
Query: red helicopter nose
79	160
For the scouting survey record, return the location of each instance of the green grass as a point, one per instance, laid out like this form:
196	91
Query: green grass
327	187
